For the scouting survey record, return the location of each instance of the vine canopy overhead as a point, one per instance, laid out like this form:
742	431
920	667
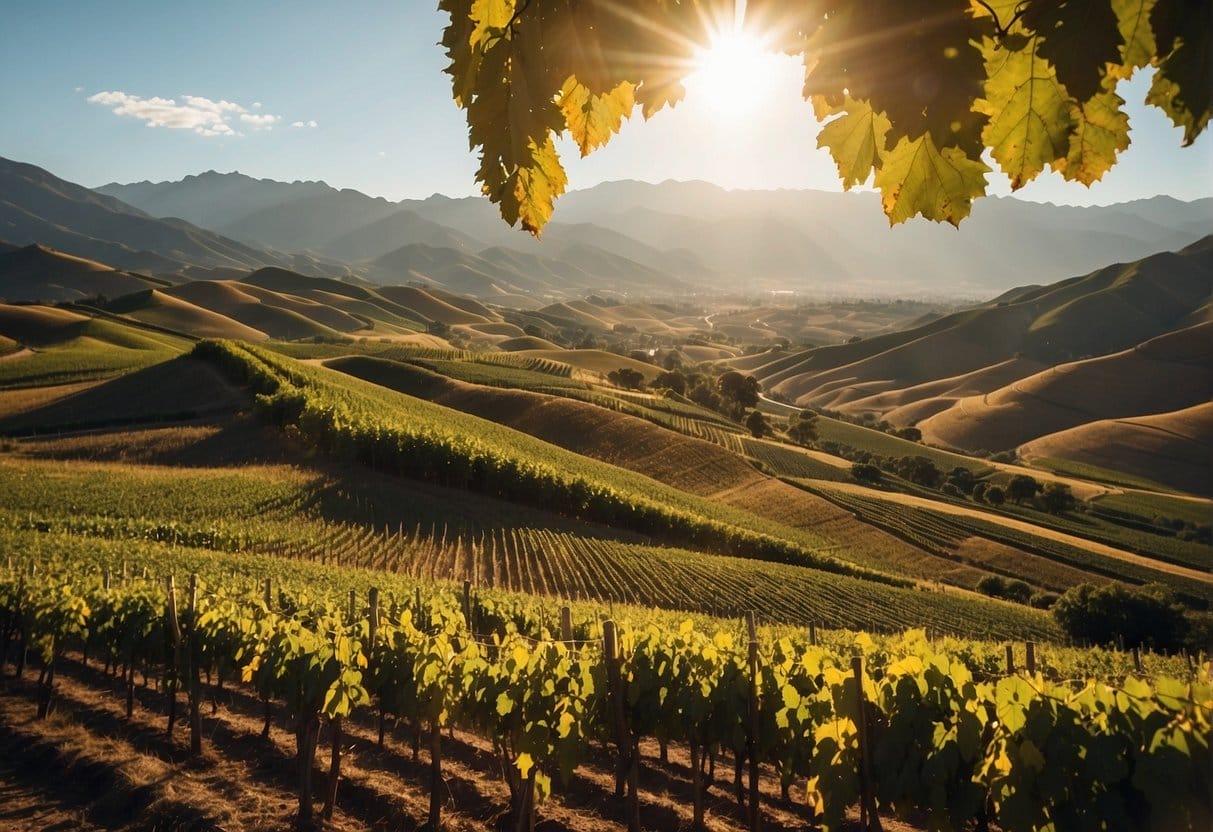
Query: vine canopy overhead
913	92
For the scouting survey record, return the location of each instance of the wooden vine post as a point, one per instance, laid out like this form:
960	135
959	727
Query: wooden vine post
191	669
868	817
566	626
1031	657
751	741
174	636
1010	660
627	769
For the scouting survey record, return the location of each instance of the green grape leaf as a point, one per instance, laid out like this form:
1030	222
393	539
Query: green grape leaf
1031	114
917	178
855	140
1102	132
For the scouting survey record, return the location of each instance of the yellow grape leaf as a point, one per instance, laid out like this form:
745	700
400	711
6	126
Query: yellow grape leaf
565	726
1103	132
524	764
1133	19
1031	114
855	141
918	178
593	119
490	17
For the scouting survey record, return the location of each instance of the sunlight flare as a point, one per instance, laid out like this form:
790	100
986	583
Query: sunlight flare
734	74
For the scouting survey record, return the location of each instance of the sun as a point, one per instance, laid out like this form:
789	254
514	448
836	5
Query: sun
733	75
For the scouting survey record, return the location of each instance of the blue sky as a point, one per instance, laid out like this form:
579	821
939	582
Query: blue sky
363	84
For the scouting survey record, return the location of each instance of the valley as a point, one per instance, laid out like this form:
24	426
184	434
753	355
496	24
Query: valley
510	451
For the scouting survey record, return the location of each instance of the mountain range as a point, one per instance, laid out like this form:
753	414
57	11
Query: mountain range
674	238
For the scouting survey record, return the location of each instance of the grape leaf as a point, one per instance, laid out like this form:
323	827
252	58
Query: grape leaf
855	141
1102	132
593	119
918	178
1031	114
1183	85
1080	38
1133	19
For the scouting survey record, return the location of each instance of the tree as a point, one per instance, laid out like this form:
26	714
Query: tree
866	472
1022	487
626	377
1057	499
1102	614
962	479
915	90
672	380
979	492
738	391
803	428
995	496
757	424
920	470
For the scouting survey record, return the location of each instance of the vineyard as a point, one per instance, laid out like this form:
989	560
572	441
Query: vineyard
349	418
430	533
941	531
900	725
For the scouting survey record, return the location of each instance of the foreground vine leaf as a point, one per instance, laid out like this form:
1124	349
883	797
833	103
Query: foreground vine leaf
1031	114
917	90
919	178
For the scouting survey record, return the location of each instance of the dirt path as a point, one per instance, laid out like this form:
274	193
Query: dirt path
1023	526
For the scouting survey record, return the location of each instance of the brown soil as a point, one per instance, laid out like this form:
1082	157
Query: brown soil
89	767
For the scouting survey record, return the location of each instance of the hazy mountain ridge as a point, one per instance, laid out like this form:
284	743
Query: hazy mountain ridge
38	207
718	240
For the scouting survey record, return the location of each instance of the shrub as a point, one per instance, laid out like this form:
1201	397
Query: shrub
865	472
995	496
1043	600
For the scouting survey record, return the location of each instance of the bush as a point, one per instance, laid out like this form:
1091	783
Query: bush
1017	591
995	496
992	585
979	492
1057	499
951	490
865	472
1043	600
1022	487
1102	614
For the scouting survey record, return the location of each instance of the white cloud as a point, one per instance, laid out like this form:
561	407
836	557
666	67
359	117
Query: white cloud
204	116
256	105
310	124
79	89
259	122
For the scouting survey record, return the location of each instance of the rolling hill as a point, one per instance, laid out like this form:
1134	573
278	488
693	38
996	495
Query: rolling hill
1168	373
39	274
1114	308
1168	448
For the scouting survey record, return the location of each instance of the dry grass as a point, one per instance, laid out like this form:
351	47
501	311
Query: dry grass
1172	449
181	315
1171	372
